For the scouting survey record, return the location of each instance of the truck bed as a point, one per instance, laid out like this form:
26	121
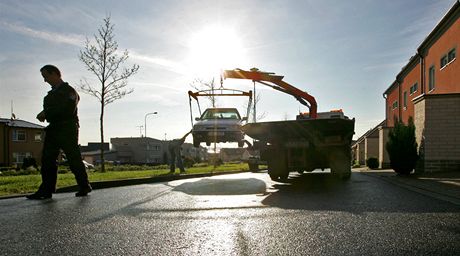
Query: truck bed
317	131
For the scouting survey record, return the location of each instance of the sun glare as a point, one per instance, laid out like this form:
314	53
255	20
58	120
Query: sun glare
215	48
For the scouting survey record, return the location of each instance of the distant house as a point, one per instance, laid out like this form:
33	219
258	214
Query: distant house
139	150
145	150
20	139
371	145
233	154
94	146
94	157
188	150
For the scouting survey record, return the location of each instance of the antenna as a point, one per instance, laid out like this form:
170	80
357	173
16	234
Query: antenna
13	116
140	129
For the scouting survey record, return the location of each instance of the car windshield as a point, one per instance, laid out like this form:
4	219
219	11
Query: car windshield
221	113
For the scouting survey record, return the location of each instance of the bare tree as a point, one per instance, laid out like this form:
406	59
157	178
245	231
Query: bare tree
199	85
102	60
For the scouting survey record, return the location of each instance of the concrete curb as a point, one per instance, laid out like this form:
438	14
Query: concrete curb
130	182
430	188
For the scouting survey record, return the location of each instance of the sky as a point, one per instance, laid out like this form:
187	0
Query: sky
344	53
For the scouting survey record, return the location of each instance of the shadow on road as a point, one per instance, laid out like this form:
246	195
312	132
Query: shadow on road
322	192
223	187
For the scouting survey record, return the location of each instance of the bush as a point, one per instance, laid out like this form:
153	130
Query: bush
402	147
13	172
188	162
372	163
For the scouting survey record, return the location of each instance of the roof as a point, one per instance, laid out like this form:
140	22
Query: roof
134	139
20	123
443	24
381	124
97	152
438	30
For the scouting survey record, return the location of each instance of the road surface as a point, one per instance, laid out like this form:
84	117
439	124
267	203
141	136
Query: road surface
238	214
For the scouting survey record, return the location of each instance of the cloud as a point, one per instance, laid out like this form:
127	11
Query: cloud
71	39
167	64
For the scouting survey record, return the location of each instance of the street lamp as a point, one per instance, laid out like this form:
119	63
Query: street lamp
145	122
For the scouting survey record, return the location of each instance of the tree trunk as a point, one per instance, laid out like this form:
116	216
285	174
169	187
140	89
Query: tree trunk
102	138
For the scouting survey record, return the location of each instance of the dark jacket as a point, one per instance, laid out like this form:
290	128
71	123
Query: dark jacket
60	105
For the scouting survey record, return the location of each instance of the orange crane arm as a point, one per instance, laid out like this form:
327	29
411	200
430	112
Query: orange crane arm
262	77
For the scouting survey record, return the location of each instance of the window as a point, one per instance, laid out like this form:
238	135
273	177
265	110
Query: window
444	61
18	157
451	55
431	78
405	99
38	137
413	88
19	135
395	104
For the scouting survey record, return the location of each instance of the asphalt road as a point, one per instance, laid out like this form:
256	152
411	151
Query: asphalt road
239	214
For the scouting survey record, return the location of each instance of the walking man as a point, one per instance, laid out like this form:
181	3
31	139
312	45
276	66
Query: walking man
60	111
174	149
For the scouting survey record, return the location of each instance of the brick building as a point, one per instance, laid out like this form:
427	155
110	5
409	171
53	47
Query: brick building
428	89
20	139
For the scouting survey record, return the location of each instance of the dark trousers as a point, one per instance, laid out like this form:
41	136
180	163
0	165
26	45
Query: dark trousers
63	137
174	153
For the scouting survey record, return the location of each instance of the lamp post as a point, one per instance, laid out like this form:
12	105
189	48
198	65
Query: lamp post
145	122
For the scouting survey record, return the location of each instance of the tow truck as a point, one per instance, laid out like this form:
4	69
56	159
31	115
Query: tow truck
312	141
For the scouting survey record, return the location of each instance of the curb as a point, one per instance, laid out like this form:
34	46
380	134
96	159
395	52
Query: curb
411	184
136	181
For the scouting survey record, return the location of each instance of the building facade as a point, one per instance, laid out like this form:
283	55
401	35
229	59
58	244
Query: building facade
427	89
145	150
20	139
139	150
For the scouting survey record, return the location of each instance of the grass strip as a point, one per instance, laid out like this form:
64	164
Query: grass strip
23	184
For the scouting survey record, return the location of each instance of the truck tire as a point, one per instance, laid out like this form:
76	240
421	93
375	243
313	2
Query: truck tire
277	166
340	163
253	167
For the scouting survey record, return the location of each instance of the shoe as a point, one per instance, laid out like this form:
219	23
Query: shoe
83	191
39	195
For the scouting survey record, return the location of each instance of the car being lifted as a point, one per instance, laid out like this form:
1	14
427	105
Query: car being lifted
218	125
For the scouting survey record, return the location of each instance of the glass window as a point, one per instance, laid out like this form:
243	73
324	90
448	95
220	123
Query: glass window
221	113
395	104
18	157
19	135
451	55
444	61
431	78
38	137
413	88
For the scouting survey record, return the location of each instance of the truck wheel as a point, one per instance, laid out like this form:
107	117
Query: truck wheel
340	164
277	166
253	167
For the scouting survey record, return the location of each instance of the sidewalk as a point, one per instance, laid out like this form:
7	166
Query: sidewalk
441	185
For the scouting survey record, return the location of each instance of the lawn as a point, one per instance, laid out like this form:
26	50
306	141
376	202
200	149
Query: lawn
22	184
